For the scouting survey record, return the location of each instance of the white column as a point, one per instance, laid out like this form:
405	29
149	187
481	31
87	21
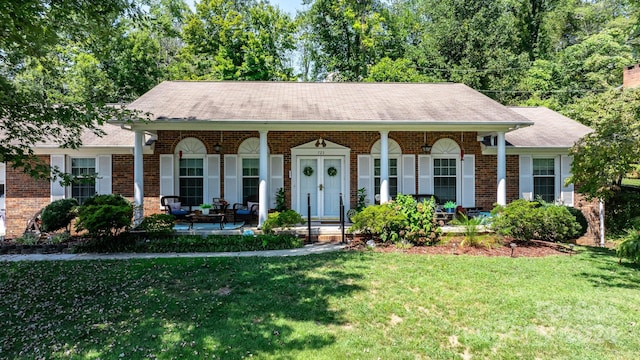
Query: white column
502	170
384	167
138	178
263	206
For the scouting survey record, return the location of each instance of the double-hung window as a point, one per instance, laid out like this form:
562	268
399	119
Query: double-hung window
84	170
544	179
192	181
445	179
250	177
393	177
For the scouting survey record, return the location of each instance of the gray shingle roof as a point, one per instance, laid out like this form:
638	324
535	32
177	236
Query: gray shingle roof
300	102
550	129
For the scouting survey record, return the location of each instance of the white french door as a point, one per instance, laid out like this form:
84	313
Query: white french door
321	180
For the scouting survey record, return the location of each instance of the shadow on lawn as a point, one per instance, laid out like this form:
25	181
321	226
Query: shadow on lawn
196	308
608	270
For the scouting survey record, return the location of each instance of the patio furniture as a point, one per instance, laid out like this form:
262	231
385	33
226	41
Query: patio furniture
246	211
214	218
173	205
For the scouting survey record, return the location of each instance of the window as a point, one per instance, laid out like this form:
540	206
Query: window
393	177
192	181
250	177
544	179
82	189
444	179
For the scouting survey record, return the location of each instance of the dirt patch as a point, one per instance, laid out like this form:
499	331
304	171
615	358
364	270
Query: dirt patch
534	248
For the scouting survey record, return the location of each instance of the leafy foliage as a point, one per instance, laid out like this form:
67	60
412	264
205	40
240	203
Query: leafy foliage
622	211
281	200
470	229
629	248
527	220
58	214
402	219
104	215
157	225
286	219
191	243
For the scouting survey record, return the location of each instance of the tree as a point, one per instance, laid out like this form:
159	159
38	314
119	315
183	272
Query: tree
602	158
237	40
30	31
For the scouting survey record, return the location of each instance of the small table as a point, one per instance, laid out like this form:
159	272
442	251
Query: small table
207	218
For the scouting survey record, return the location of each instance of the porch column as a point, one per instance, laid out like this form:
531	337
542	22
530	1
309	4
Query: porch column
384	167
264	178
502	170
138	178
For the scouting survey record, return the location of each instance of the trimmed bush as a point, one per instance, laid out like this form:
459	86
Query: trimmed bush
58	215
157	225
402	219
286	220
629	248
104	215
527	220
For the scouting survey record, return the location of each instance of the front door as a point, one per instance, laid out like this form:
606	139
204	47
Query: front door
320	182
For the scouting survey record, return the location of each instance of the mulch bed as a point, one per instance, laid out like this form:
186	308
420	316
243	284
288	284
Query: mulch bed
534	248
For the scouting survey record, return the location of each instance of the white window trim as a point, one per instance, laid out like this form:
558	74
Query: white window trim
557	176
458	173
69	159
398	158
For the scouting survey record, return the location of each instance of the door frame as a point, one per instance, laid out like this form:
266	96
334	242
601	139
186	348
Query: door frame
309	150
321	178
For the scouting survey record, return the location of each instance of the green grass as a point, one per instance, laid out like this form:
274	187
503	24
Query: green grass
352	305
631	182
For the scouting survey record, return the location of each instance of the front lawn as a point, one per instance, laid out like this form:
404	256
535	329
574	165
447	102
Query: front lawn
334	306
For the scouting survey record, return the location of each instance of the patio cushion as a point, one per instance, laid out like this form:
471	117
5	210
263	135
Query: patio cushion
175	206
179	212
243	212
250	206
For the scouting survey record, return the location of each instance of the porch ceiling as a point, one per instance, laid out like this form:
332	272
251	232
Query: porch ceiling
306	106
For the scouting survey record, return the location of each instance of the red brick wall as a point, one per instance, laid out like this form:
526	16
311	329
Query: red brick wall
25	196
631	76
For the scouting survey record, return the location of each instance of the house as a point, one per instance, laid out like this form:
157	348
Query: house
317	141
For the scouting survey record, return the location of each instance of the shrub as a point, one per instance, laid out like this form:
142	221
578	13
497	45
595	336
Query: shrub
527	220
59	238
402	219
421	227
281	200
470	229
104	215
630	247
28	239
381	220
580	218
58	214
157	225
286	219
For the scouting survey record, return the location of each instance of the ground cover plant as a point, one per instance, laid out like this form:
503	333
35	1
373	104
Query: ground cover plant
190	243
354	304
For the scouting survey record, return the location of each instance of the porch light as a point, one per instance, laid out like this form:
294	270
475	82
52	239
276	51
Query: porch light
426	147
320	142
217	147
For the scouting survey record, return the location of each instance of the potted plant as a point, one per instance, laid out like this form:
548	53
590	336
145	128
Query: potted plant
449	206
205	208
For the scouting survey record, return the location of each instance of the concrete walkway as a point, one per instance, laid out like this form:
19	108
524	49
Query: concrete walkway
305	250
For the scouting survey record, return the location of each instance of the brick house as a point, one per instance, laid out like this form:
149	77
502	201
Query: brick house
234	140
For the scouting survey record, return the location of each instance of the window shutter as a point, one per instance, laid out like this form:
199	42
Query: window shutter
103	182
276	177
231	179
365	176
468	181
566	191
425	180
167	185
213	177
408	174
526	177
57	190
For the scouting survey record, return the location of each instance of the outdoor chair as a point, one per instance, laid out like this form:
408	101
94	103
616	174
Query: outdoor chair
173	205
247	210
